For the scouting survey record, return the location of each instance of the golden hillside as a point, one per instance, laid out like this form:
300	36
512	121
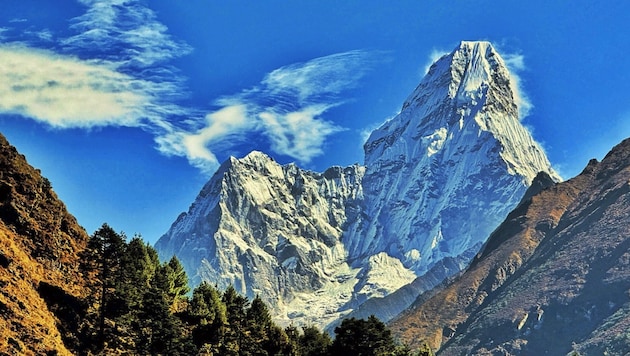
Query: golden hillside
40	243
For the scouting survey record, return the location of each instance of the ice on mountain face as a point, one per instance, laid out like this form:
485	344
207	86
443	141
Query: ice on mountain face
382	275
444	172
437	238
269	230
435	141
438	178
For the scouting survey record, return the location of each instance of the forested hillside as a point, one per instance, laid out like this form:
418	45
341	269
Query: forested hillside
64	292
138	305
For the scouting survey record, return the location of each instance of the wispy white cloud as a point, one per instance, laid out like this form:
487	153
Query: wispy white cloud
194	142
125	31
324	75
67	92
287	107
516	64
20	31
44	35
433	57
114	72
300	134
3	30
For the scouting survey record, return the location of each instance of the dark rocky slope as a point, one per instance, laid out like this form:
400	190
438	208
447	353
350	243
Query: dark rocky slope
553	278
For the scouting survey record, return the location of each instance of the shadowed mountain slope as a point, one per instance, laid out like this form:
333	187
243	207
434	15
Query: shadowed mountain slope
554	277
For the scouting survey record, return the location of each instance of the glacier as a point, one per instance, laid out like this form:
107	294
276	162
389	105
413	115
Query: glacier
436	180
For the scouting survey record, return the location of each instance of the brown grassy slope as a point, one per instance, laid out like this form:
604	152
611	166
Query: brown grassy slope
532	263
574	292
40	243
510	245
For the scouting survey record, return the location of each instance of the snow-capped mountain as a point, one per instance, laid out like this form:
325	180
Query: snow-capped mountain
437	179
270	230
447	170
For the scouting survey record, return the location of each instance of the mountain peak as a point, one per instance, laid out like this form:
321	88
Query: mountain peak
257	156
466	72
479	61
437	179
251	157
457	135
477	50
472	44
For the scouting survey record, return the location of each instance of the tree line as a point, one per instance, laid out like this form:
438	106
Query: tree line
138	305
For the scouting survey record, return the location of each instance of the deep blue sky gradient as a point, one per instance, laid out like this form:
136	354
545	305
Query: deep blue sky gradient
576	74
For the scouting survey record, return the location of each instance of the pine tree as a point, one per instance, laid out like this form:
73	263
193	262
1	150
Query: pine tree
425	349
364	337
236	338
264	337
177	282
161	331
208	315
137	270
102	263
293	336
313	342
259	321
159	326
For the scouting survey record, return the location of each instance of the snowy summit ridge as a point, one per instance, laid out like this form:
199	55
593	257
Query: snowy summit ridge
444	172
438	178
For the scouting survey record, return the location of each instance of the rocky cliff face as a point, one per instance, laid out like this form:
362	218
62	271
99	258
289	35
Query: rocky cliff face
40	244
273	231
447	170
437	179
551	279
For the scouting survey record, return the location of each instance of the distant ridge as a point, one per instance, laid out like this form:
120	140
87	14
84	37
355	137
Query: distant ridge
553	278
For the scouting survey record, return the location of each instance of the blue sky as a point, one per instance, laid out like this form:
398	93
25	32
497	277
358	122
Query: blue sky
129	106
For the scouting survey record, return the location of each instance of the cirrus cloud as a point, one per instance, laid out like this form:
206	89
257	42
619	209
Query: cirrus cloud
113	71
516	64
66	92
124	31
287	107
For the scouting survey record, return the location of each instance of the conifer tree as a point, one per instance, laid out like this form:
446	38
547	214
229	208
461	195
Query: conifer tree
425	349
314	342
259	321
364	337
137	270
236	338
208	315
265	338
103	264
177	282
160	328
